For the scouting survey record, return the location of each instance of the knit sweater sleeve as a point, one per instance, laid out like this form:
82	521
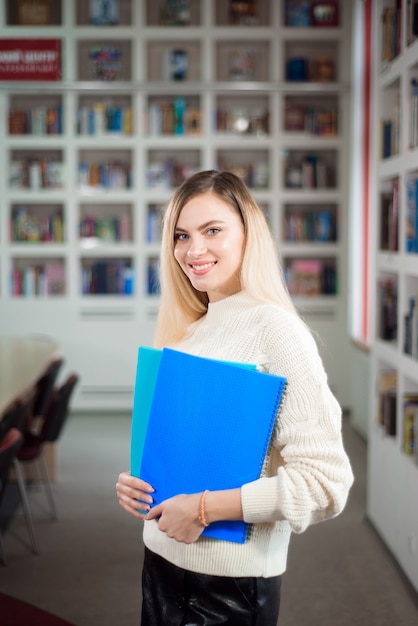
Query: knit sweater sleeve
309	474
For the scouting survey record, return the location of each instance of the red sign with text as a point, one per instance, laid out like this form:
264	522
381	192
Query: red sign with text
30	59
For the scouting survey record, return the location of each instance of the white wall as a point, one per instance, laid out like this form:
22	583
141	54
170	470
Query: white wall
359	388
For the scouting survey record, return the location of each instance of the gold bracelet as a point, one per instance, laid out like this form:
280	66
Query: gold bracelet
202	513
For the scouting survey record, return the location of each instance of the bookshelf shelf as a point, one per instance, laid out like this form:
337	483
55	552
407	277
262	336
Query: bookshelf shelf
392	443
152	125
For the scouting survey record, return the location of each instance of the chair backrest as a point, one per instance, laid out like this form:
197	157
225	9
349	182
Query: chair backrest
9	446
16	416
58	409
44	388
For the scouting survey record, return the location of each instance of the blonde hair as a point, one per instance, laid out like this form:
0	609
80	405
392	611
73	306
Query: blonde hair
261	273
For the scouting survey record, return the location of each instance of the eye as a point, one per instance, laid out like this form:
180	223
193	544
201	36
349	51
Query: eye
213	231
180	237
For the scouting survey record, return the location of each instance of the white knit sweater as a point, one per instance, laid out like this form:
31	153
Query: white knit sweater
307	476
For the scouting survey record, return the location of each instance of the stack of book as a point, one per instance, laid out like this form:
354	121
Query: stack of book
387	306
410	425
39	280
389	217
311	277
387	389
107	277
29	225
411	226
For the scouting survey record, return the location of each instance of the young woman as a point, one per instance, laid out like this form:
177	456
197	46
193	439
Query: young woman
223	296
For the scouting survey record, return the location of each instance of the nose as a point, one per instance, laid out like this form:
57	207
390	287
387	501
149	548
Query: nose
197	247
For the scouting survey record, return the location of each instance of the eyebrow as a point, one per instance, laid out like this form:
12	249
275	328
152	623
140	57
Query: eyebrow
202	226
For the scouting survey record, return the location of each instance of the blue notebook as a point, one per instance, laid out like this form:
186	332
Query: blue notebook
201	424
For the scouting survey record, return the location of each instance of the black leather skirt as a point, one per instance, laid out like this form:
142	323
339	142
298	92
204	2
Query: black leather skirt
172	596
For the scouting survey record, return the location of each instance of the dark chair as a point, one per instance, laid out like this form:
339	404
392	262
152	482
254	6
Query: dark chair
9	445
13	422
43	390
51	428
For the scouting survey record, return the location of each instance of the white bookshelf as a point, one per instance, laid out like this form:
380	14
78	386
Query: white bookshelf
100	333
393	467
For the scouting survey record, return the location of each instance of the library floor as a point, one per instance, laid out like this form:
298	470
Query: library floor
88	570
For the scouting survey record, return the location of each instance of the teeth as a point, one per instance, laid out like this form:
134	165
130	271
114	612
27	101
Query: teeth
202	267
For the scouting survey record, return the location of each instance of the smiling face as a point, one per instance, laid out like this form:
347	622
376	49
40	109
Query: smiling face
209	244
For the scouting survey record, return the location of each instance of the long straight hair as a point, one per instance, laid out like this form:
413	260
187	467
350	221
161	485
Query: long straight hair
261	274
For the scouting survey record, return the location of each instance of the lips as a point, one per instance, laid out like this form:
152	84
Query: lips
202	267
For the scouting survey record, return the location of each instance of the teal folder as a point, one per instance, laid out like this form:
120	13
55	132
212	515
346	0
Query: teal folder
201	424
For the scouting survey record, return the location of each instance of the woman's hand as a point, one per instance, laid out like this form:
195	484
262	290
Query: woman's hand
178	517
134	495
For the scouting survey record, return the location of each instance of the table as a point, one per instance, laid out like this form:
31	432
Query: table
23	360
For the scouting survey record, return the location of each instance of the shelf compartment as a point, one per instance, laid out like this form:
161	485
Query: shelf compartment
249	13
36	169
180	13
29	13
153	225
166	169
175	115
304	15
390	120
410	317
311	61
105	223
387	390
114	14
174	61
238	117
104	60
389	216
314	115
254	168
239	61
152	278
411	219
38	277
409	417
34	114
412	77
108	115
316	169
108	276
104	169
316	223
311	276
390	31
37	223
387	308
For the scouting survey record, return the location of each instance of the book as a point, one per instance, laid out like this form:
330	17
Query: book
387	306
175	64
30	59
387	393
105	62
242	63
389	217
411	216
410	413
411	329
104	12
243	12
55	278
298	13
306	277
175	13
30	13
201	424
